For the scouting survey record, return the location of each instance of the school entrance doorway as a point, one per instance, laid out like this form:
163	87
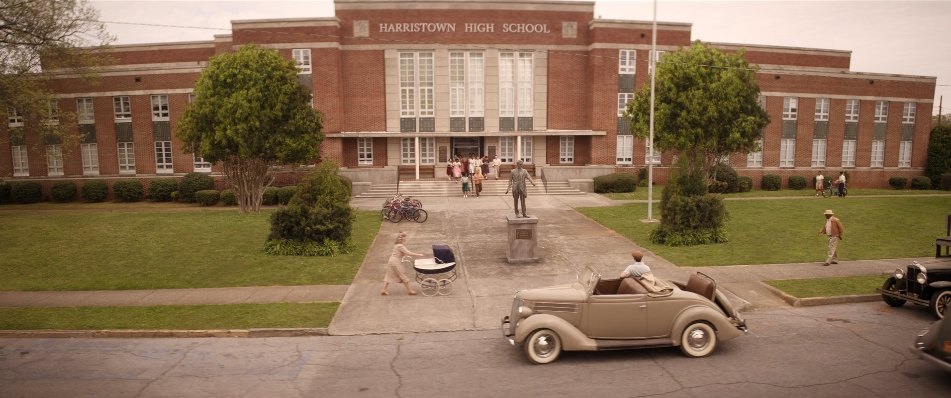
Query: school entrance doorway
463	146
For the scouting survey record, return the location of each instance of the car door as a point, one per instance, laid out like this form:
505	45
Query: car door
616	316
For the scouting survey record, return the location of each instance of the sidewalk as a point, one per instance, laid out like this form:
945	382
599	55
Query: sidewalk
476	230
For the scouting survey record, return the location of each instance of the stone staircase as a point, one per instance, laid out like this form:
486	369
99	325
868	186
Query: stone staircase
447	188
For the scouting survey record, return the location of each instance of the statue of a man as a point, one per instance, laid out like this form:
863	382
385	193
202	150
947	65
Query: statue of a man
517	186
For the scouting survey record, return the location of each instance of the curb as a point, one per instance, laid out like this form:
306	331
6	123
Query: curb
814	301
125	334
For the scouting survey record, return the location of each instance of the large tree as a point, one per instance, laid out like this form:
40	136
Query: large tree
939	154
37	38
251	113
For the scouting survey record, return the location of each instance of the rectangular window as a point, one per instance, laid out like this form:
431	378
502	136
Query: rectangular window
627	62
506	85
822	109
457	84
21	165
848	153
790	108
417	85
526	107
881	111
647	153
54	160
85	114
90	153
527	149
160	107
625	149
15	119
755	159
408	84
163	156
408	151
302	60
122	108
657	55
507	149
878	153
201	165
908	113
427	84
427	150
819	152
566	149
52	112
622	100
365	151
126	157
476	85
852	110
904	154
787	152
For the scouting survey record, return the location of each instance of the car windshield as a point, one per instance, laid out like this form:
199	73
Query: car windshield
588	278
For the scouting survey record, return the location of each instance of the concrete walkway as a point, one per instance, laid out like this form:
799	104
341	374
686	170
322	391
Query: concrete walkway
476	230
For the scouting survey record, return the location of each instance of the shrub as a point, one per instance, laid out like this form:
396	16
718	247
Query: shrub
717	187
26	192
690	220
898	182
192	183
160	190
725	173
797	182
771	182
642	177
745	183
207	197
270	196
4	192
128	190
945	183
939	153
286	247
615	182
920	182
94	191
228	198
284	194
63	191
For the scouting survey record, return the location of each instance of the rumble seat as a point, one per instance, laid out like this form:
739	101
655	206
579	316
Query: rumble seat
701	284
631	286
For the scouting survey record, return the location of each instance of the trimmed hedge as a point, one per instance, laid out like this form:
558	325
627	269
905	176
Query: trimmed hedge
921	182
944	184
63	191
615	182
745	183
284	194
128	190
898	182
726	175
4	192
228	198
797	182
94	191
26	192
270	196
192	183
160	190
771	182
207	197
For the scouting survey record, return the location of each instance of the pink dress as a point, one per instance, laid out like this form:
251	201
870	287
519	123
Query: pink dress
456	169
394	266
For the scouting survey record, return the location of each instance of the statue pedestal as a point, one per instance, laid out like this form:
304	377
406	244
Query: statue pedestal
523	238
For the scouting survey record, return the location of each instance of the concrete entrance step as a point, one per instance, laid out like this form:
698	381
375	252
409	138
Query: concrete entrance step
448	189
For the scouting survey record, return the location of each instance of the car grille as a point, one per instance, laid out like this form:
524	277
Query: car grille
543	307
911	281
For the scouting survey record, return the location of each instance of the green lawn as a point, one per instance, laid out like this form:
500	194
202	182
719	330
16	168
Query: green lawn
641	193
786	230
152	246
176	317
830	287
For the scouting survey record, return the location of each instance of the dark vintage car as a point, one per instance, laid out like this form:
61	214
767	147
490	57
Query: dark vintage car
922	284
934	344
597	313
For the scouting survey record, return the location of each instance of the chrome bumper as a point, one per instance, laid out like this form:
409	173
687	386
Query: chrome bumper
507	331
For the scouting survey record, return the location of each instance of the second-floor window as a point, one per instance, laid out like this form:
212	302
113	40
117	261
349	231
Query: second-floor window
85	113
122	108
302	59
14	118
790	108
881	111
852	110
627	62
159	107
822	110
417	85
908	113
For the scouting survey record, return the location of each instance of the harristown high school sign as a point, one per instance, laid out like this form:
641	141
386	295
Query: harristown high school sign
448	27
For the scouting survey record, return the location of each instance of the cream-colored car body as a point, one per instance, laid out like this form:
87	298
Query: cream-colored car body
585	319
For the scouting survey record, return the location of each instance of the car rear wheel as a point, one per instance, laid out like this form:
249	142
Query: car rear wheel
890	286
940	301
543	346
698	340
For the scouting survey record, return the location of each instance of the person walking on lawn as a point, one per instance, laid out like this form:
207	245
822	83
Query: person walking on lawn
833	229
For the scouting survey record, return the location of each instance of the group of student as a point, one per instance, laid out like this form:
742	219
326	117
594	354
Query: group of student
839	183
471	171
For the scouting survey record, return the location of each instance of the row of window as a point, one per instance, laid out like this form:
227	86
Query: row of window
125	156
787	154
85	111
791	110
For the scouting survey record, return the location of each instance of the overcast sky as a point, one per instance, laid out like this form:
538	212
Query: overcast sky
901	37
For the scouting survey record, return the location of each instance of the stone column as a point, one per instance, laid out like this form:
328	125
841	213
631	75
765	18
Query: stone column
523	238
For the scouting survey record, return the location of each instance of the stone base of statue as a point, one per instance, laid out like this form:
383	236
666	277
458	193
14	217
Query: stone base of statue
523	238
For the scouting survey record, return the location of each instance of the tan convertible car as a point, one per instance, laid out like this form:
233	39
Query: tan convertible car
594	314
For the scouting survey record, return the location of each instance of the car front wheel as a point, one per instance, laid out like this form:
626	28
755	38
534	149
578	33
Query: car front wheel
940	301
699	340
890	286
543	346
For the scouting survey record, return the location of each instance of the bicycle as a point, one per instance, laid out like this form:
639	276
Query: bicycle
833	190
406	208
397	201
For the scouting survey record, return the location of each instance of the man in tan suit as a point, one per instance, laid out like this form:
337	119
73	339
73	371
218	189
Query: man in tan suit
833	229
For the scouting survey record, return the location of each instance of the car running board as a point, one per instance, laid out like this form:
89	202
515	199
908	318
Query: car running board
604	344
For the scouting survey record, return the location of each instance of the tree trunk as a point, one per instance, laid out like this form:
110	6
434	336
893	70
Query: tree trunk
248	178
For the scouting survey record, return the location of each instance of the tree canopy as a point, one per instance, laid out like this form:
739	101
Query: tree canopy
251	113
706	106
939	154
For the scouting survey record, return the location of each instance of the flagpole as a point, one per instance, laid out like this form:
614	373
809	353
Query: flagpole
650	142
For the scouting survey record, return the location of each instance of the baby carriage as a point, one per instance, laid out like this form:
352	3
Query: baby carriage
435	275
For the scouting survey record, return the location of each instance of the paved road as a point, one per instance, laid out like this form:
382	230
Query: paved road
851	350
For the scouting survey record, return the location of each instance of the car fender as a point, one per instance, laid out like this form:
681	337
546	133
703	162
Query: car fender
725	330
940	284
572	339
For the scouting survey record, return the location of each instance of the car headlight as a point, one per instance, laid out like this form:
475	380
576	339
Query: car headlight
899	273
921	278
524	312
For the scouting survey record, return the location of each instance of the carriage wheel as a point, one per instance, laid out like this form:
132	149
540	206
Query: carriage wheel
429	287
445	287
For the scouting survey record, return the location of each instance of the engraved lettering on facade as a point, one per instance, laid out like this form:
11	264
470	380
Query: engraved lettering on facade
480	27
